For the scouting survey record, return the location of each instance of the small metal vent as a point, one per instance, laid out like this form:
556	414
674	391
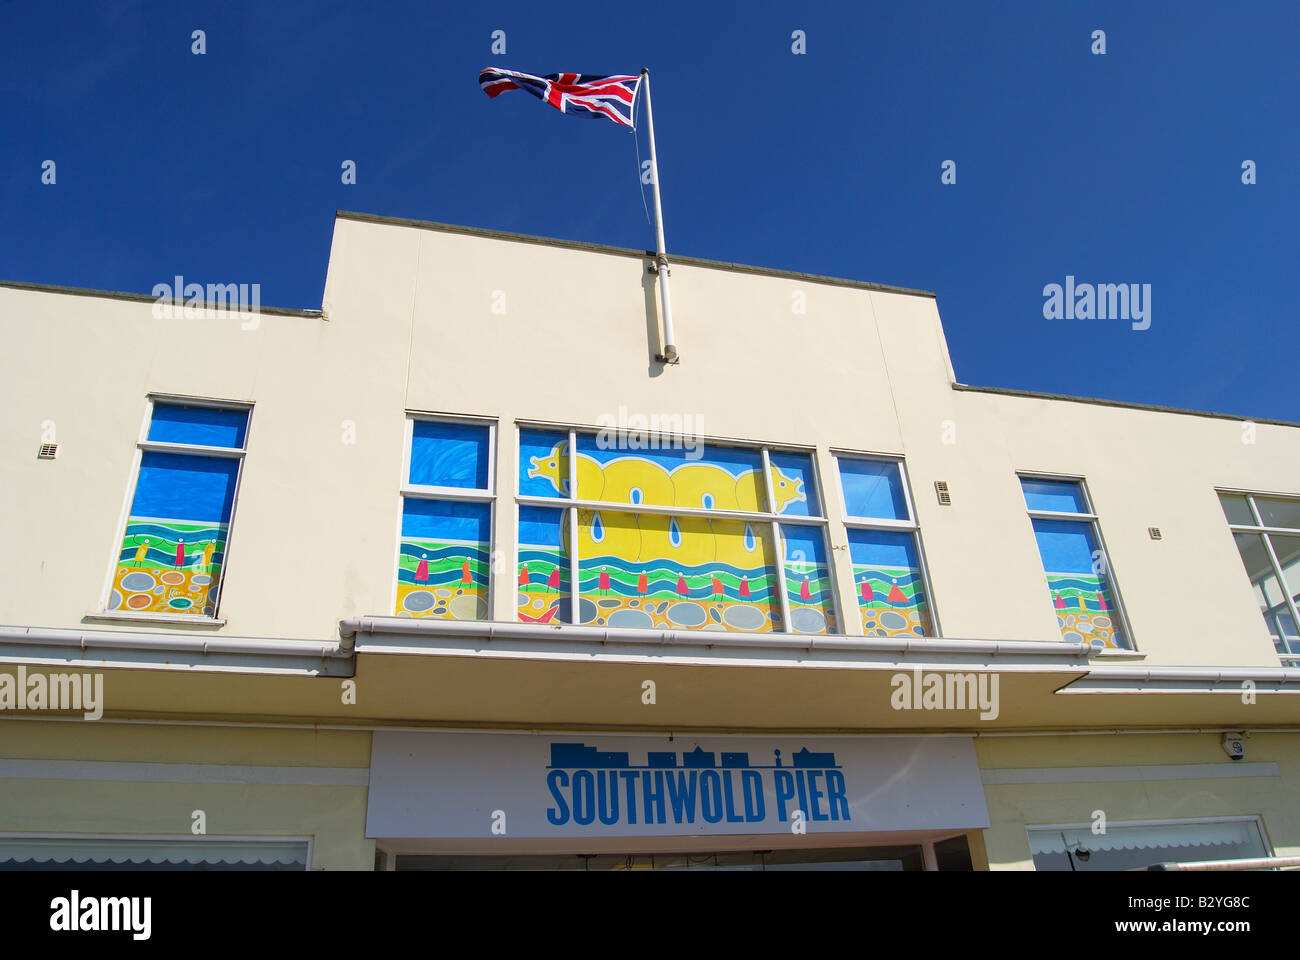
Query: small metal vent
941	489
1155	533
48	451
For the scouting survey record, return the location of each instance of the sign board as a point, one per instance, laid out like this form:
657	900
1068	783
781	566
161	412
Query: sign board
458	785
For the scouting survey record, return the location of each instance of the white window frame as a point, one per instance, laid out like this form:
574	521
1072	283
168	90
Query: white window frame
1260	530
144	445
417	491
1090	517
571	505
1258	821
911	525
177	838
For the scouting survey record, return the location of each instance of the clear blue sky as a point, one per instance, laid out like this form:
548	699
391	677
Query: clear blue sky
1117	168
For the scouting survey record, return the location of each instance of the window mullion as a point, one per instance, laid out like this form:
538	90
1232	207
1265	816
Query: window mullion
778	546
575	615
1285	588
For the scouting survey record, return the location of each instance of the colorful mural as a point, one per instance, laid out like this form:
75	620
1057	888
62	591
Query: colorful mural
888	583
1084	609
544	595
174	546
639	569
443	560
807	579
1081	592
169	566
718	478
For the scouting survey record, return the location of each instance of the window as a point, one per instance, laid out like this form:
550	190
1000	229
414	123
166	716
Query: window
1078	574
1267	533
152	853
173	548
670	535
444	547
1135	845
889	578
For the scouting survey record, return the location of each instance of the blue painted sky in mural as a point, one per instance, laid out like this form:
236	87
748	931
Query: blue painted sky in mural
447	454
180	487
445	520
540	526
1066	546
802	543
1062	496
206	426
873	488
882	548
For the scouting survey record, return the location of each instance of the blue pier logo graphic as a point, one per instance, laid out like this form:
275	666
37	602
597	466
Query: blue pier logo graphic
590	786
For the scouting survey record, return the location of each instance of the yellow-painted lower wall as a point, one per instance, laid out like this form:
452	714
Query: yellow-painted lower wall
333	815
1074	797
333	812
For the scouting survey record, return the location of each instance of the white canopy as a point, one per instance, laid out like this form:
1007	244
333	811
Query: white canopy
1233	833
126	850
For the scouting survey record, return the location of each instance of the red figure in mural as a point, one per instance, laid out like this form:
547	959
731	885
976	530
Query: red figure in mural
744	586
422	571
523	575
604	579
867	593
180	553
553	581
1101	598
642	584
464	573
896	595
803	591
717	587
544	618
681	586
1060	604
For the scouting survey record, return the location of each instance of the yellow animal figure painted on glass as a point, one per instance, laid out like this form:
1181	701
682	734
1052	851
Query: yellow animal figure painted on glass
651	536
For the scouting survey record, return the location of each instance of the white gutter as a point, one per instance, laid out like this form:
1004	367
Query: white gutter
1202	674
87	640
614	636
1255	863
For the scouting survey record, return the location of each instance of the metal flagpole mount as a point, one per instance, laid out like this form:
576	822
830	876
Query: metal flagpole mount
669	354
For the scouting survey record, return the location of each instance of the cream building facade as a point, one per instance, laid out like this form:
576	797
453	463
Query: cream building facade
318	691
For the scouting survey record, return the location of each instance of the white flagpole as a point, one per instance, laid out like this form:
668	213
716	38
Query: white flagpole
670	344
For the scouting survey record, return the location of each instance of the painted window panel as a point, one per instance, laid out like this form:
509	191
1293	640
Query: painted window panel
204	426
1236	509
1058	496
544	594
705	477
888	582
1266	590
444	559
807	579
873	489
543	463
652	570
174	546
447	454
1081	590
794	485
1275	512
1287	550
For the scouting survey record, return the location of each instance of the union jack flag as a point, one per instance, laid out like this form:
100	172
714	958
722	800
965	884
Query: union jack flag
579	94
